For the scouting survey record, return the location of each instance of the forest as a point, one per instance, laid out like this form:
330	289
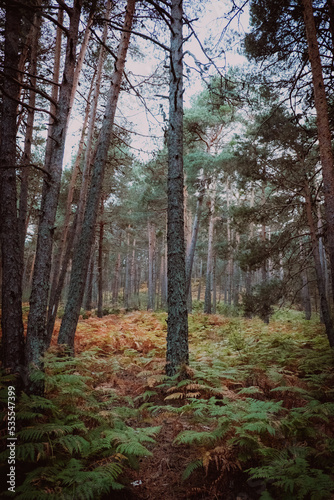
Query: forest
167	249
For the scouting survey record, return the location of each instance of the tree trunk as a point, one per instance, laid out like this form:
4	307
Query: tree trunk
116	280
305	288
191	253
318	269
66	242
37	332
100	267
133	275
177	331
208	284
82	53
89	283
54	91
214	285
200	280
91	127
126	287
81	258
151	266
26	157
11	318
324	133
163	274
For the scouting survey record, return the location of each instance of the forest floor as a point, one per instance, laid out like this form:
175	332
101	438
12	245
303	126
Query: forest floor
274	381
253	419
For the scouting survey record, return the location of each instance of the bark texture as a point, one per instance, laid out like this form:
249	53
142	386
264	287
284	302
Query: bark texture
36	342
324	134
11	317
82	251
177	332
318	269
151	265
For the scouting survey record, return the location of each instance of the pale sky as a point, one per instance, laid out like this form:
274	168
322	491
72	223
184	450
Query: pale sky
209	25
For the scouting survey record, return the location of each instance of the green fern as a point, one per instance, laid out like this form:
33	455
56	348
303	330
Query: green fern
191	467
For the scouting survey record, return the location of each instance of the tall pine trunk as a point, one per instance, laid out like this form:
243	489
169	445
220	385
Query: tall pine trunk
324	133
192	247
36	343
177	331
82	251
100	267
209	265
26	158
68	232
11	317
318	269
151	266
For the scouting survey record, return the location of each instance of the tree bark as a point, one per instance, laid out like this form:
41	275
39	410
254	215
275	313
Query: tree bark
81	256
89	282
11	318
151	266
126	287
209	265
116	280
36	343
324	133
192	248
26	157
133	275
100	267
177	355
200	280
305	292
318	269
54	91
67	237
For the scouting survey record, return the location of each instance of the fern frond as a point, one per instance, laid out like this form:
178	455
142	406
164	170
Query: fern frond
194	437
191	467
133	448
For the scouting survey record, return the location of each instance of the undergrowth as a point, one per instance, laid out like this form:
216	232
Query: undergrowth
256	408
75	442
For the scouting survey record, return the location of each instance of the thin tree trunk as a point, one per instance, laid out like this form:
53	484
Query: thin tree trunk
208	284
55	90
318	269
89	283
133	275
91	127
324	133
37	339
62	259
264	270
163	274
214	285
64	253
200	280
116	280
11	317
81	258
100	267
177	330
192	247
305	292
82	53
26	158
126	287
151	259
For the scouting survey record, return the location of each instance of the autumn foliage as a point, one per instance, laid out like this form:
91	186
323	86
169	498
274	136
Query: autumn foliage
252	419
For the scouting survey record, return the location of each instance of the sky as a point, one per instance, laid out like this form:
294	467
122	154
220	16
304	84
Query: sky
148	124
